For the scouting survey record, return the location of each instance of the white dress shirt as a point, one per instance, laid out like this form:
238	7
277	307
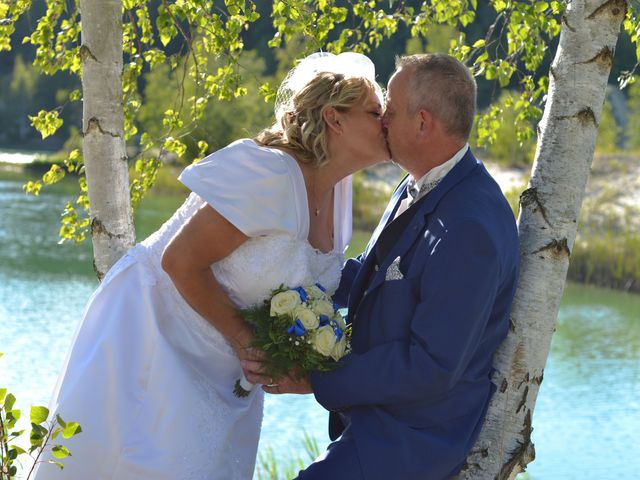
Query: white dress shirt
417	189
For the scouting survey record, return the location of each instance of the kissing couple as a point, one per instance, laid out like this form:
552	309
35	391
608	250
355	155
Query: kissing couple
150	370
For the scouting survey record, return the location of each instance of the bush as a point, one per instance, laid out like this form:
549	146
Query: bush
43	431
370	198
609	260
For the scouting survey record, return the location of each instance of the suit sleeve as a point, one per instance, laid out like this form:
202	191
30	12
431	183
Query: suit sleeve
457	291
349	272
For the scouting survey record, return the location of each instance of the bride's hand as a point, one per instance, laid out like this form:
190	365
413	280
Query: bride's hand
241	344
293	382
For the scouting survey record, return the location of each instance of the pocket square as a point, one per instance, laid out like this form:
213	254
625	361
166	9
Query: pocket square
393	272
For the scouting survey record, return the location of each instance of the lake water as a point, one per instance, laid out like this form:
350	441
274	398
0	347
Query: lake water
587	419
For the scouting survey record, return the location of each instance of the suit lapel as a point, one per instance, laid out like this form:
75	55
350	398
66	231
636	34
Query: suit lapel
361	280
407	236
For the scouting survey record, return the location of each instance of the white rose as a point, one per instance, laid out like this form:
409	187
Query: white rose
339	349
324	340
323	307
340	320
308	319
315	293
284	302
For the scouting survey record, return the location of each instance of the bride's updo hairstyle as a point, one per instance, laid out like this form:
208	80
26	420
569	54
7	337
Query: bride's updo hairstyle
301	129
320	81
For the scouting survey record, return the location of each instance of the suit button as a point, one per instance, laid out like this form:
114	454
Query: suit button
376	268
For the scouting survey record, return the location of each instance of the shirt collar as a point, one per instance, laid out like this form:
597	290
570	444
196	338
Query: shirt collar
417	189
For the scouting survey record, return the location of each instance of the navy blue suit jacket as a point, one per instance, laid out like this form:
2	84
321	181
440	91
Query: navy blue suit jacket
417	384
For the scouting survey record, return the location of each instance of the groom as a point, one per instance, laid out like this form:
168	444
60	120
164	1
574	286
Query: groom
429	299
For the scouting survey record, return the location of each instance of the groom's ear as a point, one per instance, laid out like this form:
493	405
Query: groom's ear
332	118
426	120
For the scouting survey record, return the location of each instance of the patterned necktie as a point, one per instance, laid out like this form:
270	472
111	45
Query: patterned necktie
414	194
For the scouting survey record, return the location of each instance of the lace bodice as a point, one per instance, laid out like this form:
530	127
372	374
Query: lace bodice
250	273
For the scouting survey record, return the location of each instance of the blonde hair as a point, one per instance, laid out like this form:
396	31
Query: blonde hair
301	128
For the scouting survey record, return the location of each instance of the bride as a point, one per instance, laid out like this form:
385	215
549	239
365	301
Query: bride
151	370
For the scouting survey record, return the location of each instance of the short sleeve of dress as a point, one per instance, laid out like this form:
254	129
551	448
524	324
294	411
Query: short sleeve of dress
253	187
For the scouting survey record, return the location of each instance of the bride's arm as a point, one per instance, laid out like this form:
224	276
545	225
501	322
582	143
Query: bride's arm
206	238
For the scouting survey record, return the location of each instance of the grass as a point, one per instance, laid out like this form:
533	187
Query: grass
607	259
268	468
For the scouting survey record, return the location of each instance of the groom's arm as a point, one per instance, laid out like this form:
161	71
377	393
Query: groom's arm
349	272
457	295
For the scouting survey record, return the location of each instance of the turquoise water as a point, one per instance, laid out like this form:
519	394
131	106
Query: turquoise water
587	419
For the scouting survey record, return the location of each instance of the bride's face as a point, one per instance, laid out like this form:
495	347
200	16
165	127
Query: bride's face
362	133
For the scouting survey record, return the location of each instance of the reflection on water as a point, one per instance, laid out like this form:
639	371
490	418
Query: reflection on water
587	418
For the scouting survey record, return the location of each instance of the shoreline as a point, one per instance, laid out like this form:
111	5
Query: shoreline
606	252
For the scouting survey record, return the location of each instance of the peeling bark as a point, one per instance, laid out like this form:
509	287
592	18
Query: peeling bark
555	247
548	212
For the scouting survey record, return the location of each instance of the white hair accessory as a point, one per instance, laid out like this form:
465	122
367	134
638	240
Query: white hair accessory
349	64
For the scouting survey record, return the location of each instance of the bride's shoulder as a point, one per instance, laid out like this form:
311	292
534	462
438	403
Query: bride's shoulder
246	157
247	181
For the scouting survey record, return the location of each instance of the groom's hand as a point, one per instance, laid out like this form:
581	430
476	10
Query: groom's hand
291	383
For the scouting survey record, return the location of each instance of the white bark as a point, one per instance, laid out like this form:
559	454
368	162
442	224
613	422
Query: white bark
549	211
103	126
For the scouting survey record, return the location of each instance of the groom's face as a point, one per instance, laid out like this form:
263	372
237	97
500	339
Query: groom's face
397	121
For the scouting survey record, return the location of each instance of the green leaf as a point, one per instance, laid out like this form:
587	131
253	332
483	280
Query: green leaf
541	7
39	414
9	401
38	434
54	175
47	123
32	188
75	95
19	450
60	451
71	429
60	421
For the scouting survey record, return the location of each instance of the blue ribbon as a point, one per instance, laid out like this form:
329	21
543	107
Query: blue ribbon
338	331
296	328
302	292
321	287
324	320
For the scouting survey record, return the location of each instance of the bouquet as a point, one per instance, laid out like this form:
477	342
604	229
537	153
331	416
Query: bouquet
297	327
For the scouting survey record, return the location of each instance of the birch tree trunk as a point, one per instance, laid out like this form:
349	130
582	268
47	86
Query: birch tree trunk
549	211
103	145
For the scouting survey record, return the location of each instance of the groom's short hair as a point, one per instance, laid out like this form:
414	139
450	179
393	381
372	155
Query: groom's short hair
442	85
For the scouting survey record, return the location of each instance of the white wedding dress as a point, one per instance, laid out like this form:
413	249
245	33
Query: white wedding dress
149	380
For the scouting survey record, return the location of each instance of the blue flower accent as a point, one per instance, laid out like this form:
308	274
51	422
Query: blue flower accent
338	331
303	293
321	287
324	320
296	328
